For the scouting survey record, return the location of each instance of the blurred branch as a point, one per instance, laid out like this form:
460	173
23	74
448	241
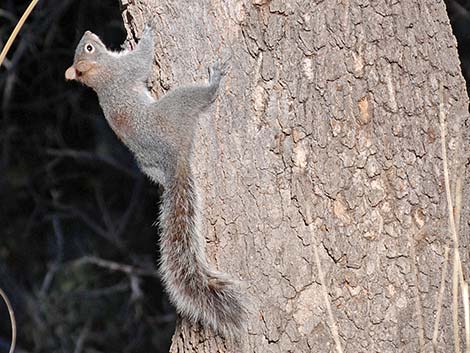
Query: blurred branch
132	204
90	156
85	219
121	287
8	15
12	320
115	266
116	231
55	266
4	343
104	209
69	191
82	337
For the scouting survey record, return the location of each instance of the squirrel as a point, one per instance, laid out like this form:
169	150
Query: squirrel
160	134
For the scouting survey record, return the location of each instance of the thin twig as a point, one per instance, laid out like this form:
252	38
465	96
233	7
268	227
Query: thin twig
56	264
84	155
440	298
458	198
82	337
450	207
7	15
115	266
12	320
103	292
85	218
418	305
467	317
457	266
103	208
455	302
18	26
132	204
324	288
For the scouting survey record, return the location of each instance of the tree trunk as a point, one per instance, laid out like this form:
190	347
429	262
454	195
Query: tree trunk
321	169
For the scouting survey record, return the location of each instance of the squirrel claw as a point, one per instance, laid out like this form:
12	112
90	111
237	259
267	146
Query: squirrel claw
218	70
147	30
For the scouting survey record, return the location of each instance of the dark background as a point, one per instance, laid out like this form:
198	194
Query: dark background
72	198
70	193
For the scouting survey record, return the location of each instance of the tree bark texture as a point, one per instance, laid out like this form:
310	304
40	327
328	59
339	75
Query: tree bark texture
320	166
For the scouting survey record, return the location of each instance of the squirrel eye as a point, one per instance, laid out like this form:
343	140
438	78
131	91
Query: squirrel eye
89	48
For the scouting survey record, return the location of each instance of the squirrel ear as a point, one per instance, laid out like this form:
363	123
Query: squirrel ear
70	74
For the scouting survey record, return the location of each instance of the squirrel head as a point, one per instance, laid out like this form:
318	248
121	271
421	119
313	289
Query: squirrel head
89	61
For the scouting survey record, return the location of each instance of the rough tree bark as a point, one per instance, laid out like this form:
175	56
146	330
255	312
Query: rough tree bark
321	167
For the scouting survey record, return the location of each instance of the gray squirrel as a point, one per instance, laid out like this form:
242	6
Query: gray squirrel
160	133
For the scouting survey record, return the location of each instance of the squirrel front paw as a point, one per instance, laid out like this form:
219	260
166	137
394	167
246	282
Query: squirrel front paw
147	31
217	71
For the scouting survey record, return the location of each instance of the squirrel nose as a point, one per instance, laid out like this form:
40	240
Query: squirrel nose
71	73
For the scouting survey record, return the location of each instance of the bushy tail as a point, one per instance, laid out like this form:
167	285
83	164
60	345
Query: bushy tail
199	293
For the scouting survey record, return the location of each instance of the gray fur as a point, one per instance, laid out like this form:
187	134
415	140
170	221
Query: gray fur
161	134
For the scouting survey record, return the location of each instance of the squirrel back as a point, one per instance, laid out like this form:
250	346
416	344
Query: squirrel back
160	133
